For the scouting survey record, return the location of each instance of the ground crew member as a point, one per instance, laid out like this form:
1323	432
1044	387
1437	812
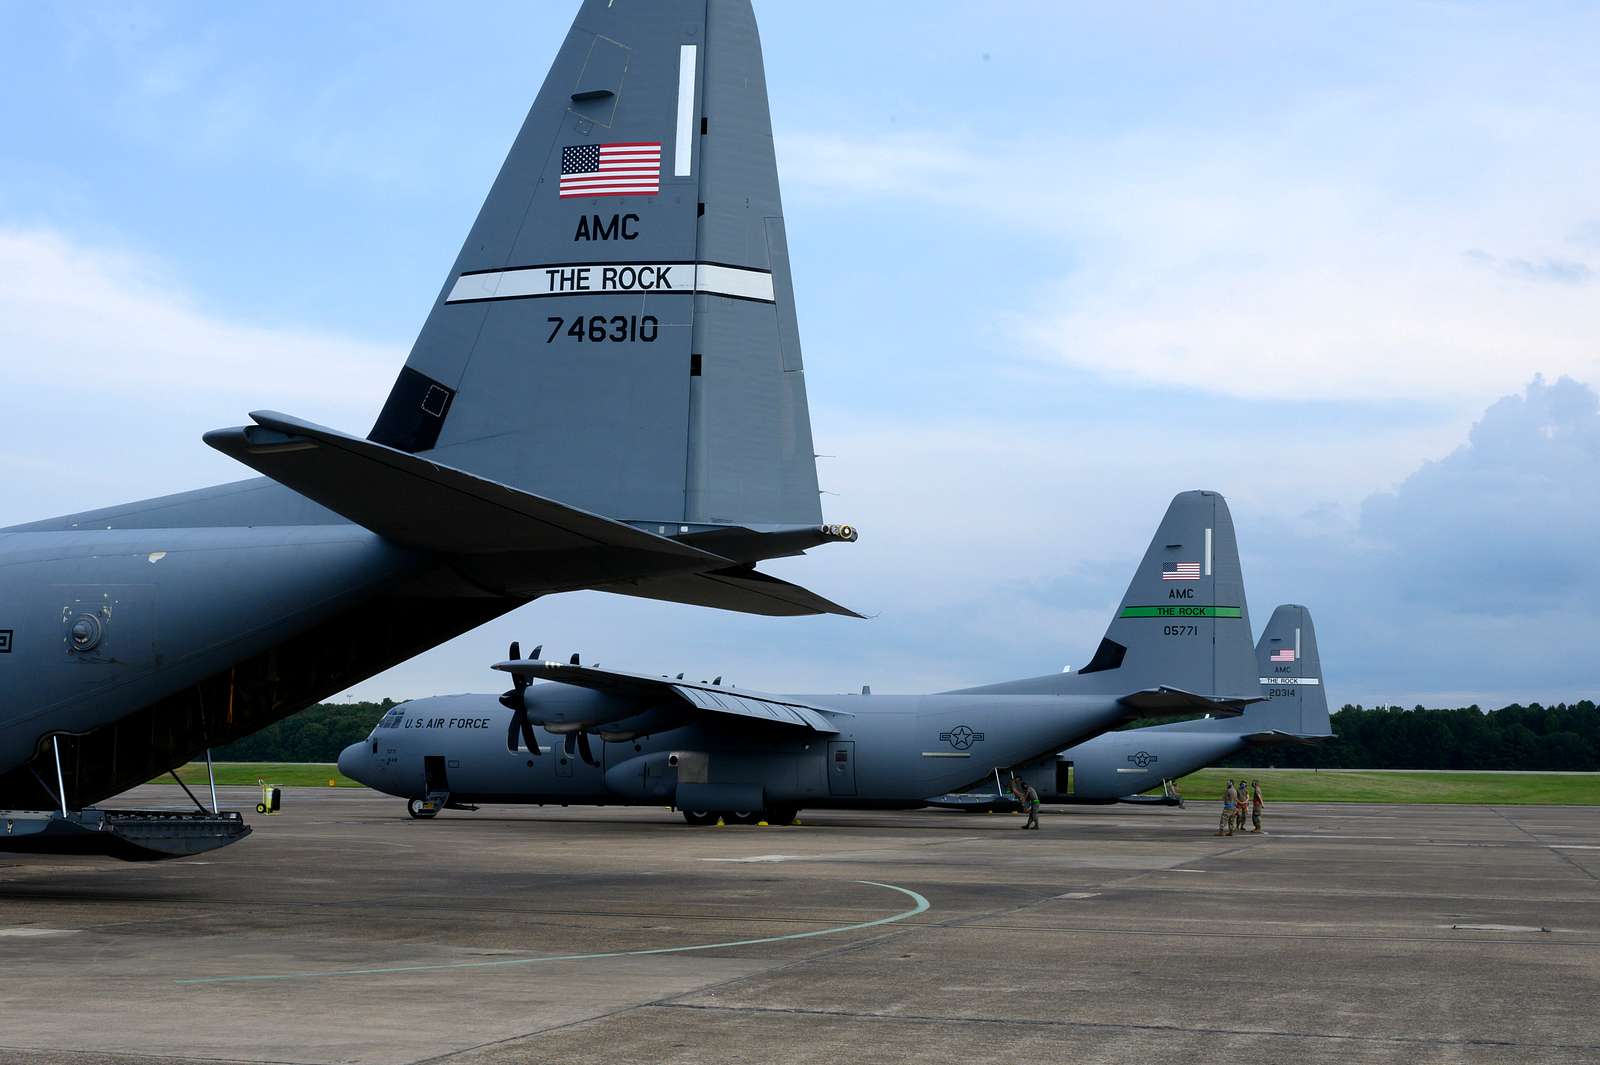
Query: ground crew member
1027	798
1243	810
1255	804
1229	798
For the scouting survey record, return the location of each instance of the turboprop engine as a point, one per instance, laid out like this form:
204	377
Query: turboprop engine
576	713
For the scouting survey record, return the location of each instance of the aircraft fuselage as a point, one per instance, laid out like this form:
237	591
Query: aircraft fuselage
894	751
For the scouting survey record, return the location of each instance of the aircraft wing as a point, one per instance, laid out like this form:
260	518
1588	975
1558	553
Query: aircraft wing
1153	702
710	698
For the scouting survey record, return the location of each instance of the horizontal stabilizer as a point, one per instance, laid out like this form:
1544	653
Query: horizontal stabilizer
1163	700
423	504
737	588
1277	738
710	698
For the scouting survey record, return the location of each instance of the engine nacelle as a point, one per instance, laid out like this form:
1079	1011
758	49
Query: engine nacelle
563	709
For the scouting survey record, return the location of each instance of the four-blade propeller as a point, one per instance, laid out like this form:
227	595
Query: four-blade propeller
520	729
516	700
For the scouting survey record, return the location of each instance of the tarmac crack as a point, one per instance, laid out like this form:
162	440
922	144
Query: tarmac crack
919	1018
1565	857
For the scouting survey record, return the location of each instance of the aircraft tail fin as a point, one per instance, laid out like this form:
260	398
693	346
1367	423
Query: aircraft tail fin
1291	678
618	331
1182	625
1183	622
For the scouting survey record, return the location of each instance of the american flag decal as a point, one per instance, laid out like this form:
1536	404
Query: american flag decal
1284	655
1180	571
632	169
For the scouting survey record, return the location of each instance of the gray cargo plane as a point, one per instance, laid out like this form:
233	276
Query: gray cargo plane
607	393
1119	766
1180	642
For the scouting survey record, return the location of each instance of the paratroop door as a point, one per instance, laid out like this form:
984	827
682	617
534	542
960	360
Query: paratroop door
841	767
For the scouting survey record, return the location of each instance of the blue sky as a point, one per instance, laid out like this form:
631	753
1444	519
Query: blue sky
1052	266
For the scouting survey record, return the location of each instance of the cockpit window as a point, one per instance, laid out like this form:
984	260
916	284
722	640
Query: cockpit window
390	720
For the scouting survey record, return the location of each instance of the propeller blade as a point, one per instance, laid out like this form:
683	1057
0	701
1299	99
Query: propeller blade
537	651
570	744
575	661
584	751
521	718
519	681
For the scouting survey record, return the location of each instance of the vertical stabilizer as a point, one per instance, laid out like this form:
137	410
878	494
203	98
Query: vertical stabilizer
1291	678
1183	621
618	331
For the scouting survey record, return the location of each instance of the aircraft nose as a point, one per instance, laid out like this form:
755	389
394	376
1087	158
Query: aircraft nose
353	762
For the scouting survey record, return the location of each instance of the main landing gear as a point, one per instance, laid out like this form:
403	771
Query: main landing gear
776	815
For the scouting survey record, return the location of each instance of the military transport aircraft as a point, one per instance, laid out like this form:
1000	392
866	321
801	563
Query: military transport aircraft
606	394
1118	766
1180	642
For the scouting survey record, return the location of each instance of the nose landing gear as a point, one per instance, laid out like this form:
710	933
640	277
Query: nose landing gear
423	809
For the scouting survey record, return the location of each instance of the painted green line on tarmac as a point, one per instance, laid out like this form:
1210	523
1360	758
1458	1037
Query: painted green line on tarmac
922	906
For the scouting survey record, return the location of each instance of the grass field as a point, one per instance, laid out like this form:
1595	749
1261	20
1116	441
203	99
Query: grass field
284	774
1360	785
1277	785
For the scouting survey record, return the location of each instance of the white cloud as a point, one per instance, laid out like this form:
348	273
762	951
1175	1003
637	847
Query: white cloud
113	372
1355	246
70	311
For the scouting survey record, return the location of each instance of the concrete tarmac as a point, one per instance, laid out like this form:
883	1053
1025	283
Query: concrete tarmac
343	931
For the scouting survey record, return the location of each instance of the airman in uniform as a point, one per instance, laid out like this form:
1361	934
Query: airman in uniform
1256	804
1030	802
1230	799
1027	798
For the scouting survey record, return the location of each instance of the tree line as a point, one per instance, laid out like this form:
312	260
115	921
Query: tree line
1516	737
1561	737
316	734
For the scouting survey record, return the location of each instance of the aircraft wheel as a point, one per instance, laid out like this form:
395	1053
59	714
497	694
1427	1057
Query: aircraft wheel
261	807
782	815
744	817
414	808
699	818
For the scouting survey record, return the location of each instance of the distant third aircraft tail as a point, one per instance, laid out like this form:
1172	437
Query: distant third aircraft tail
1291	678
